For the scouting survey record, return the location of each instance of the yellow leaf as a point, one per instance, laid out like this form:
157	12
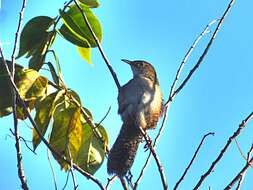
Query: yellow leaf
85	53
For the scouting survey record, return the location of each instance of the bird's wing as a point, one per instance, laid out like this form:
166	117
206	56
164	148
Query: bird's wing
131	95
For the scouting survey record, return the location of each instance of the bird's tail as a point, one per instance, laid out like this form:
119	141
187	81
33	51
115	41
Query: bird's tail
123	151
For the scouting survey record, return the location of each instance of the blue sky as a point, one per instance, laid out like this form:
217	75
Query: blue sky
216	99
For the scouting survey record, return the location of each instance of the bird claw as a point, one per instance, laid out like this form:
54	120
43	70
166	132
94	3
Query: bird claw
147	145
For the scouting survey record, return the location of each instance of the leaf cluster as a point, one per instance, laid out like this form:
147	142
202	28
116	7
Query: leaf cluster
59	112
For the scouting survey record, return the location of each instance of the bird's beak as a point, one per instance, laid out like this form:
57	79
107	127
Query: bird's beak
126	61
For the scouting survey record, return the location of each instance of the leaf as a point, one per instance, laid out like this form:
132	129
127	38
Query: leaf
92	151
74	20
90	3
21	112
85	53
73	37
5	112
6	99
44	111
67	134
31	85
39	53
34	33
53	73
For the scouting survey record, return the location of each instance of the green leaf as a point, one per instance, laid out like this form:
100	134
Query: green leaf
34	33
74	20
67	134
73	37
92	151
39	53
90	3
44	111
85	53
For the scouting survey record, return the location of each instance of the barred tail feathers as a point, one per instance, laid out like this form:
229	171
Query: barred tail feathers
122	154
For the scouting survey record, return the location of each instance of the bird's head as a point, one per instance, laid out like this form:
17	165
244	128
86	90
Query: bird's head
142	68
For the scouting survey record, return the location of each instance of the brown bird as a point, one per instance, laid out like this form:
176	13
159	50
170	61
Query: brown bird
140	105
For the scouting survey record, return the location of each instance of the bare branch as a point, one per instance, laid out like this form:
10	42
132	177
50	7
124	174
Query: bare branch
236	133
241	174
72	170
241	152
123	183
21	173
110	181
205	51
99	47
158	162
193	158
52	170
180	69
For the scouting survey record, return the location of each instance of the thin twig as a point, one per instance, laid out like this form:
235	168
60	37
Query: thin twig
114	76
66	183
21	101
123	183
157	160
52	170
179	71
72	170
231	138
107	113
205	51
240	174
110	181
193	158
243	173
241	152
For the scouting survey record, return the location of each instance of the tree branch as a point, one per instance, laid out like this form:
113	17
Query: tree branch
114	76
241	174
158	162
21	173
205	51
236	133
193	158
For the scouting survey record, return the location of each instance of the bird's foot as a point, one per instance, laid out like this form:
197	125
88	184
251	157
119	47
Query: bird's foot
147	145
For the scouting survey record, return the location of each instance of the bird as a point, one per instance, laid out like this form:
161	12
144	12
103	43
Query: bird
140	106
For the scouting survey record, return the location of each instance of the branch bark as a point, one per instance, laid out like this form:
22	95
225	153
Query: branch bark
236	133
241	174
193	158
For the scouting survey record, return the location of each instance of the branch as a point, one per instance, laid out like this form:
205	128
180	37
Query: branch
123	183
114	76
180	69
110	181
21	173
52	170
193	158
236	133
241	174
158	162
21	101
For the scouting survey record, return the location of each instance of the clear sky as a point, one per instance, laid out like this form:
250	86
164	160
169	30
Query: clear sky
216	99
